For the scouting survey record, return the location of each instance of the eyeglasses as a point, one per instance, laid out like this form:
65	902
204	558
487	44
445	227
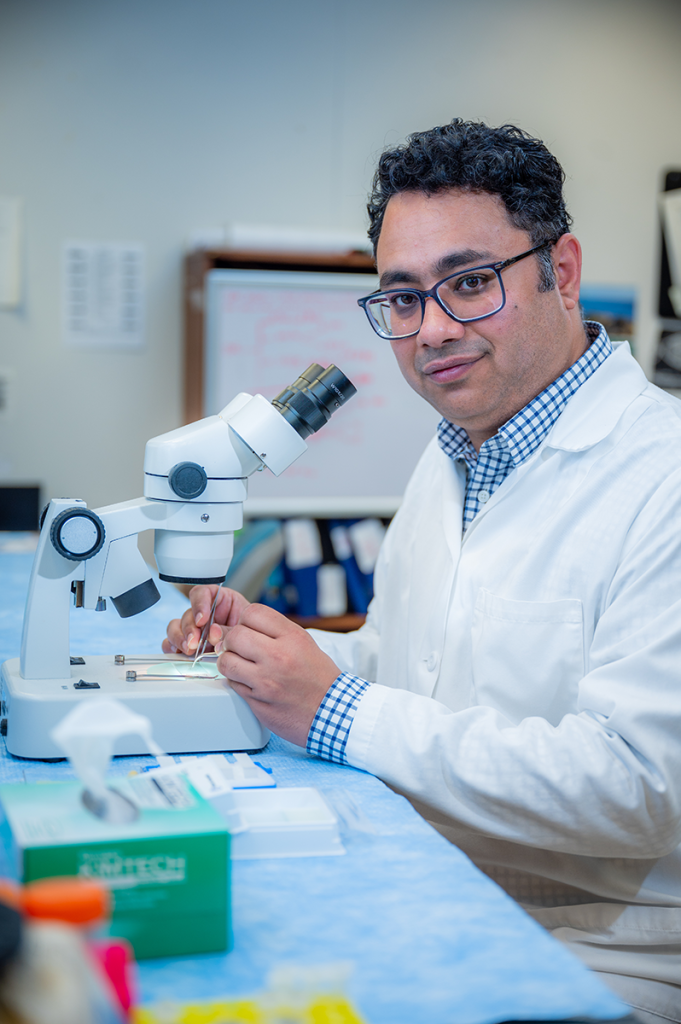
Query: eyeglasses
472	294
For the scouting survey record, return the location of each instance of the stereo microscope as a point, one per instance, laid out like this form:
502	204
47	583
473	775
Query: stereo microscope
195	483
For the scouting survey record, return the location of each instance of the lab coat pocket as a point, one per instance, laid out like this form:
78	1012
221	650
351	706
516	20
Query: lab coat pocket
528	656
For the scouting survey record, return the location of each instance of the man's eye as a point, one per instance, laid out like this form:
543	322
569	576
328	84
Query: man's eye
403	302
470	283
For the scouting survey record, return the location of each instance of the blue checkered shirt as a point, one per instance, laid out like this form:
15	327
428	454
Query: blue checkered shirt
486	470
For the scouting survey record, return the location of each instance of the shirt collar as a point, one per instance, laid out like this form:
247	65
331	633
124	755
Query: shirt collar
524	432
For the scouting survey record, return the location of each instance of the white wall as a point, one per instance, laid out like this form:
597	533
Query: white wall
146	120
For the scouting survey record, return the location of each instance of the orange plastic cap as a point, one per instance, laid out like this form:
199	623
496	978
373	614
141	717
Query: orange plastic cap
76	900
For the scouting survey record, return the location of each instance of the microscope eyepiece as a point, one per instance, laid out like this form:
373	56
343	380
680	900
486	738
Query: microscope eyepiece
311	400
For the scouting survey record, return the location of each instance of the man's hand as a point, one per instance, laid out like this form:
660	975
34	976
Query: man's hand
278	669
184	634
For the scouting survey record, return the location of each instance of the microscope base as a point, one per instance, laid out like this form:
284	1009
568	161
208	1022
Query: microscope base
187	715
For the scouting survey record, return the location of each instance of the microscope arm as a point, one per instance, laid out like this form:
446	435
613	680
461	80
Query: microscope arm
45	637
116	570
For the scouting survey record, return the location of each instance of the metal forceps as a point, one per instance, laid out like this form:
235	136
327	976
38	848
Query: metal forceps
203	639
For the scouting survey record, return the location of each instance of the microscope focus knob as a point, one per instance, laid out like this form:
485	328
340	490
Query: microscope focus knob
77	534
188	480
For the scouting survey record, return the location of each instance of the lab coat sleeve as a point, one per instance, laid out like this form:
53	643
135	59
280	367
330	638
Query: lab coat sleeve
606	780
355	652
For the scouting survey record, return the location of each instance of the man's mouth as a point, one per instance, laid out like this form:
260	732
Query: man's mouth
444	371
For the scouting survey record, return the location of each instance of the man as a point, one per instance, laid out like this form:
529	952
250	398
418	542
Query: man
518	674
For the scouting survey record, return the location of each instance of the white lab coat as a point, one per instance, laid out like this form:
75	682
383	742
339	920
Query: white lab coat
528	695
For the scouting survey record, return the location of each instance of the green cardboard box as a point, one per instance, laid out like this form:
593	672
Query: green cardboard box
168	871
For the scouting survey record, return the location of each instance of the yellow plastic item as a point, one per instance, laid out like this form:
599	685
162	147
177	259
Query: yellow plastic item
318	1010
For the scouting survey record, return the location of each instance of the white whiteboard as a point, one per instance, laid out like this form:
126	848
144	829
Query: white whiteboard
263	328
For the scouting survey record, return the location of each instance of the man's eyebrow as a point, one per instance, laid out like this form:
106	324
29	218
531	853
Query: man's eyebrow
446	264
460	259
398	277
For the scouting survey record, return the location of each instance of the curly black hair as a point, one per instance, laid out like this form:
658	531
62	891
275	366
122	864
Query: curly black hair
469	155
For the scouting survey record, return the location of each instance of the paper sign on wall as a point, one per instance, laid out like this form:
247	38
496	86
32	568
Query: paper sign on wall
103	294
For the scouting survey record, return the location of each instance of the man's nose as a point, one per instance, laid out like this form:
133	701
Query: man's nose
437	327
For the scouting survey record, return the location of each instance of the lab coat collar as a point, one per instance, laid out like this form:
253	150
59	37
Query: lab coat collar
589	417
453	496
593	411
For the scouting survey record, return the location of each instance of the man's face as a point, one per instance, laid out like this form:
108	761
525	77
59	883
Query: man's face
476	375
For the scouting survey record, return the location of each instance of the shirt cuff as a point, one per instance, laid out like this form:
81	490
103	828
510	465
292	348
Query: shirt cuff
328	735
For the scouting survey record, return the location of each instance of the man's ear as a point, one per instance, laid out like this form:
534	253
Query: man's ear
567	265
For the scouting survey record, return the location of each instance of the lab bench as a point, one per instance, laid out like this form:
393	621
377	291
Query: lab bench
427	935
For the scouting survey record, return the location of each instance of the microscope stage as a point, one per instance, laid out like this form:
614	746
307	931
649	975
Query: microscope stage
188	715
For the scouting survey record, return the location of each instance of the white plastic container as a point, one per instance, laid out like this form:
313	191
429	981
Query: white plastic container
279	823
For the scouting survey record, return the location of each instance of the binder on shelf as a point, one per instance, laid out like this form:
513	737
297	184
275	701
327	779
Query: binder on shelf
366	537
332	592
358	592
303	554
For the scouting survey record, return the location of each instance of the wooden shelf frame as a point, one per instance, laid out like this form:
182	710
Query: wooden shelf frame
200	262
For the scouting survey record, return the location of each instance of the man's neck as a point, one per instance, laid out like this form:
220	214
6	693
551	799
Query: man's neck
581	341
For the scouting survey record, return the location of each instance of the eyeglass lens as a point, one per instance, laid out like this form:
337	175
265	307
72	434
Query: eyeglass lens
467	296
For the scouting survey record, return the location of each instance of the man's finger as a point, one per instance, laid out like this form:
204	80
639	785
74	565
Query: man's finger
266	621
242	689
215	634
219	642
175	637
174	632
239	671
201	598
190	632
248	694
246	644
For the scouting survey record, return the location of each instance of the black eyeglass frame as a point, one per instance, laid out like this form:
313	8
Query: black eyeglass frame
432	293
